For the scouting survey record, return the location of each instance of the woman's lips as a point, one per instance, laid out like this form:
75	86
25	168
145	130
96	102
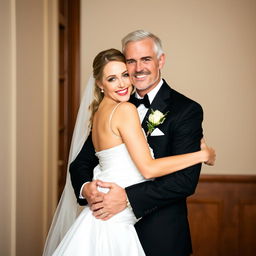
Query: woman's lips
122	92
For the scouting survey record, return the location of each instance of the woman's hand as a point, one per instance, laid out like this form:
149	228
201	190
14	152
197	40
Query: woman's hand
210	155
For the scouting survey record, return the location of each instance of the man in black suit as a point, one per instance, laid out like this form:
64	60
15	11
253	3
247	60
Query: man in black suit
160	204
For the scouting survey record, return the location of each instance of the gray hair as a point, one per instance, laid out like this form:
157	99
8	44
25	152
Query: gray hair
140	35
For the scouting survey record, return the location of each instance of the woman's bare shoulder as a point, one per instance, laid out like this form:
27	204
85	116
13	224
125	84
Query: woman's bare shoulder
126	106
127	111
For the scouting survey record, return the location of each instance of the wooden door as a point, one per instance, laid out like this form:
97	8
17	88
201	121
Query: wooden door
69	77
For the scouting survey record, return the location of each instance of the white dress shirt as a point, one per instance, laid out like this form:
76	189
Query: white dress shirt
142	110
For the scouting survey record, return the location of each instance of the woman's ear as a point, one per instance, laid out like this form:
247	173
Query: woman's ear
99	84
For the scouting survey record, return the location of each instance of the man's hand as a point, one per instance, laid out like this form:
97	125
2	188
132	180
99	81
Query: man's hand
113	202
91	193
210	153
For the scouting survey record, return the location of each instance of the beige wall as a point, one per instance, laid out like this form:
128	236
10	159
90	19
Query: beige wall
28	123
211	57
7	134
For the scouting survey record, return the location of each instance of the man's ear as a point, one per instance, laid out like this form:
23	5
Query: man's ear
161	60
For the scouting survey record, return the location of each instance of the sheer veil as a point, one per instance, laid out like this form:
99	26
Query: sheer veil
67	208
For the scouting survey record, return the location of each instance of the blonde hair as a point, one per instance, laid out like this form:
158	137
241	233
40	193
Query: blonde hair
99	63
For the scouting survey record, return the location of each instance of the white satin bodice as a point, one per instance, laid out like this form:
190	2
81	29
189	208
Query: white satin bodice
116	165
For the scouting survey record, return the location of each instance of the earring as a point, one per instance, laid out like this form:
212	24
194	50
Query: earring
102	90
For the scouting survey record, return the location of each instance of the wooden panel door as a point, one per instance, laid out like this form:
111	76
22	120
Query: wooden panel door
69	77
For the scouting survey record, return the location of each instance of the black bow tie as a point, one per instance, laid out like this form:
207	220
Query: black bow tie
144	101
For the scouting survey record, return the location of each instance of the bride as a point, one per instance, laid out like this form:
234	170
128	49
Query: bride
124	158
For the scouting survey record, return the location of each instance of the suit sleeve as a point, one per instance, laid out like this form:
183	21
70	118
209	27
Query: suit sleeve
81	169
146	197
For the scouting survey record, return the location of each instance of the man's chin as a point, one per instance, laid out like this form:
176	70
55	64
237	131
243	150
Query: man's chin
141	86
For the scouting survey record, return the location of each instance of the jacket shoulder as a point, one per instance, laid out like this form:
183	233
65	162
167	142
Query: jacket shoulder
181	102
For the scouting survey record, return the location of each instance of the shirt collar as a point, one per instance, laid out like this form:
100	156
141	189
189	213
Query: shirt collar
152	93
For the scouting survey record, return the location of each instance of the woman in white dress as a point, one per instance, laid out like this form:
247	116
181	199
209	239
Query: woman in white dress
124	158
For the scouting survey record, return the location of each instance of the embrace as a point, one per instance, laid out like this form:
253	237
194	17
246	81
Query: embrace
135	157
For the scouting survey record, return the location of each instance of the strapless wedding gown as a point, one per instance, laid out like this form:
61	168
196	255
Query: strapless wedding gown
89	236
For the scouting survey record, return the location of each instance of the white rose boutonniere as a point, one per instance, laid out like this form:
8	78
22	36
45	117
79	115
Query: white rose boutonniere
155	118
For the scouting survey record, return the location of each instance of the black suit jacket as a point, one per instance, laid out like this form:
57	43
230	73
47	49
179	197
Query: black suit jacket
163	229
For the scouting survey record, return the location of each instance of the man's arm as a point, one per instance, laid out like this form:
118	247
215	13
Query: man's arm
148	196
81	169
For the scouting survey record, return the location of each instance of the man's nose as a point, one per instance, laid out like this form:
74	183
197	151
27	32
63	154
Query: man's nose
139	66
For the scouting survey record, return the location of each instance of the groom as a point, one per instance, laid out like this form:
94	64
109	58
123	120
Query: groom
160	204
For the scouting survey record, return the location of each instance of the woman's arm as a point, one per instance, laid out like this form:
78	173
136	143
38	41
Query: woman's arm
132	135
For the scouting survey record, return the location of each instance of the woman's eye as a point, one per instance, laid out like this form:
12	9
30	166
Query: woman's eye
111	79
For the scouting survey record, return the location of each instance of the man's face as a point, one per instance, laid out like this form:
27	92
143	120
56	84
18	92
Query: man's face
143	65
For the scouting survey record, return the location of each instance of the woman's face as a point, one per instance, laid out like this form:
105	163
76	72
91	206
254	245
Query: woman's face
116	82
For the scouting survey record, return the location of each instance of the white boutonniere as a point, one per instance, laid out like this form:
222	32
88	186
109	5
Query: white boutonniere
155	118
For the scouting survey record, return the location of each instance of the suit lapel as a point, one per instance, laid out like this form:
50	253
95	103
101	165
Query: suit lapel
160	102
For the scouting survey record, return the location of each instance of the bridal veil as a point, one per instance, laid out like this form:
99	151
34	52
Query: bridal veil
67	208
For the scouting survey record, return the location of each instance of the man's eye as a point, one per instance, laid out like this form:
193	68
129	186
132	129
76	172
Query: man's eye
146	59
126	75
130	61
